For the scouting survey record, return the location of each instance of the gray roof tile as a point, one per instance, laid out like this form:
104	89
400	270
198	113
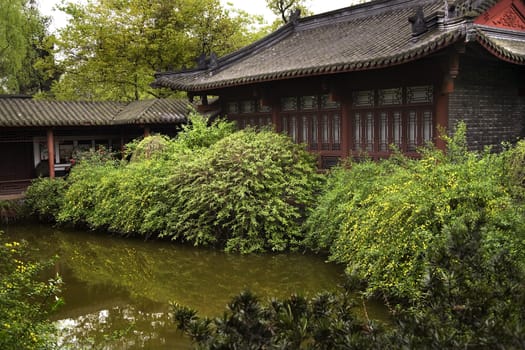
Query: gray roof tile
24	112
154	111
371	35
509	48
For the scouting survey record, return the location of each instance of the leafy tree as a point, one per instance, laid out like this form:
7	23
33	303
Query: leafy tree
285	8
113	48
26	59
12	42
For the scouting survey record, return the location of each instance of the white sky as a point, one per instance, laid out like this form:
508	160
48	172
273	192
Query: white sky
257	7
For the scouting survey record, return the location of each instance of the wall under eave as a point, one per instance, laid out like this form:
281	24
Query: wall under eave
489	97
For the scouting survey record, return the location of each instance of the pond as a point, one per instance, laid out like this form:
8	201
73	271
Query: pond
117	291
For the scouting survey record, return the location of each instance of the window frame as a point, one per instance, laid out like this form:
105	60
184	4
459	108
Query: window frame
260	117
402	110
314	116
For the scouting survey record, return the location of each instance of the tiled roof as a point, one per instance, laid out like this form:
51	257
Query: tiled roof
24	112
500	44
29	112
154	111
366	36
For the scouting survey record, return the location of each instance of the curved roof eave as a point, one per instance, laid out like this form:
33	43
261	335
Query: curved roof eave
498	50
430	47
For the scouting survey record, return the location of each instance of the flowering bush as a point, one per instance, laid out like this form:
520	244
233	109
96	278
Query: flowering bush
25	301
441	239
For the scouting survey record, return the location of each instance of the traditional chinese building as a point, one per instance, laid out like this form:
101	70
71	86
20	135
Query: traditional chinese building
356	80
40	137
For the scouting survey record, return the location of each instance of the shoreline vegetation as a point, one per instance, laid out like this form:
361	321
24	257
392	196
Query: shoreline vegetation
440	239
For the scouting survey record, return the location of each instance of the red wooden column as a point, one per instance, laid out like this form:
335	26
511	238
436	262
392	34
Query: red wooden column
345	128
451	71
51	152
147	131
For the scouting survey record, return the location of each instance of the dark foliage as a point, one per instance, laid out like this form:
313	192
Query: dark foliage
323	322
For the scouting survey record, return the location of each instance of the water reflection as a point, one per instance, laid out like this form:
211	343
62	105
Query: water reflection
121	328
117	290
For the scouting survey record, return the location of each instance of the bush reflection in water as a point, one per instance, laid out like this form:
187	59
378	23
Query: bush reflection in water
117	291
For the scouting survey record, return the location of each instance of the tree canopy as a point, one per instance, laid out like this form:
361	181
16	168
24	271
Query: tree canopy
112	48
26	61
285	8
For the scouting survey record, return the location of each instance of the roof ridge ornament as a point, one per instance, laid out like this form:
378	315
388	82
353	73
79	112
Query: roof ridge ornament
214	61
201	61
204	62
419	25
294	16
450	9
470	8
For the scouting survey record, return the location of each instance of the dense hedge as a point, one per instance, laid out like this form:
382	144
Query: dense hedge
250	190
44	198
387	220
441	239
246	191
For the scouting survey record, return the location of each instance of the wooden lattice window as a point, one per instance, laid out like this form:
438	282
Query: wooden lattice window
312	120
398	116
249	113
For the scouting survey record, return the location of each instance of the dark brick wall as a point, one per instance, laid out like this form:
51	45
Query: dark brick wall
487	97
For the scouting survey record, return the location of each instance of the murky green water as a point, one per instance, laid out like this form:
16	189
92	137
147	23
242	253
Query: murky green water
117	291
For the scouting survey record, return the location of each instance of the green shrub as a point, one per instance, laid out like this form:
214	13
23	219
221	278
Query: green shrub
473	291
130	197
201	133
249	191
127	198
13	210
83	184
391	217
442	239
43	198
514	167
150	147
26	302
344	184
